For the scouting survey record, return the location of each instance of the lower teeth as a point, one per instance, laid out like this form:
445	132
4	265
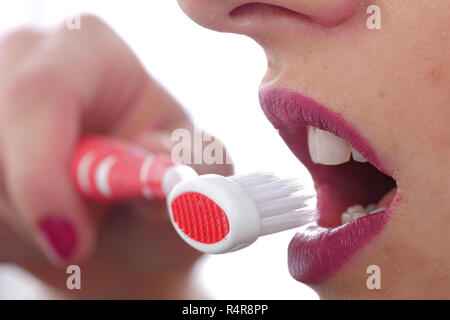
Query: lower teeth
358	211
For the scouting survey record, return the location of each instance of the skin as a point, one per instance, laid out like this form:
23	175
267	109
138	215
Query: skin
51	93
393	85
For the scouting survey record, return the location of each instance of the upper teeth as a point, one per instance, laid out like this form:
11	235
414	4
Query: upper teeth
326	148
358	156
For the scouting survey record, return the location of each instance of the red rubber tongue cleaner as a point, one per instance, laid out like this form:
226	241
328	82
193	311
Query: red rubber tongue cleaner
200	218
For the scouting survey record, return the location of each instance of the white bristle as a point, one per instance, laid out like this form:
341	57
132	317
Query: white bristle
281	203
252	205
286	221
267	186
256	177
271	193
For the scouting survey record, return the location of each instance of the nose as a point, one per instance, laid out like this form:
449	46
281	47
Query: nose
220	14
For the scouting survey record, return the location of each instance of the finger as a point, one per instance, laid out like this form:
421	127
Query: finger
206	154
13	247
50	93
154	140
38	132
55	89
156	110
15	47
155	129
115	91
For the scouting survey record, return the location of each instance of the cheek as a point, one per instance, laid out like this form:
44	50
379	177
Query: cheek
412	265
407	83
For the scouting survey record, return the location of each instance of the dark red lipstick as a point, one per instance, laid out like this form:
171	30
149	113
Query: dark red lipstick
318	251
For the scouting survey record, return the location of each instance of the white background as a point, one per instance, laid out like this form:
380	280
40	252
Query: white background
216	77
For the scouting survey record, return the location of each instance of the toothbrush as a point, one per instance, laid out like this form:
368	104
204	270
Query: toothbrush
216	214
111	170
212	213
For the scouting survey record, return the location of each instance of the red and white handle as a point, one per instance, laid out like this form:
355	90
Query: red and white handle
111	170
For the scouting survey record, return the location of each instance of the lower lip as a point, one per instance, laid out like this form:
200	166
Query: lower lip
317	253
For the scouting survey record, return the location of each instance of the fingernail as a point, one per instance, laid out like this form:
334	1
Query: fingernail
60	235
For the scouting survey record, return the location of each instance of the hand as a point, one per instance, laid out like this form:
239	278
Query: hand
55	88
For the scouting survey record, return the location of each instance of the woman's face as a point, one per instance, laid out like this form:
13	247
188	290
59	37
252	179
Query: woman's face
386	92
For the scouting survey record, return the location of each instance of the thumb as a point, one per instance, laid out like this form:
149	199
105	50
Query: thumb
168	142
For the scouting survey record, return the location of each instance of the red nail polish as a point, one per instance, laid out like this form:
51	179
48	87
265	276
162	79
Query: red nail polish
60	234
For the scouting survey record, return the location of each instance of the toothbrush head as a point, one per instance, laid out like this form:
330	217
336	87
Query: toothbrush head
216	214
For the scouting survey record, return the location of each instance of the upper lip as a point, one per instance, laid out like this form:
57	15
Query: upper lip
282	111
316	252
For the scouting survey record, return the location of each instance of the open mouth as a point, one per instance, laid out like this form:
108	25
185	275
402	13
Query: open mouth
348	186
355	194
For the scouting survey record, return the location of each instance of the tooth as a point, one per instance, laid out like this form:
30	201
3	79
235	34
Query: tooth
375	211
358	156
356	209
353	213
371	207
311	132
347	217
326	148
